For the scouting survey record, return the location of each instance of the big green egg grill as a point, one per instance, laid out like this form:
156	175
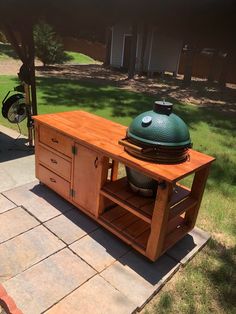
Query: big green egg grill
159	136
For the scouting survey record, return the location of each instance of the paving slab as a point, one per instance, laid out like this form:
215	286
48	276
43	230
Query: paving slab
99	249
71	226
42	202
96	296
5	204
43	285
14	222
25	250
187	248
139	279
17	172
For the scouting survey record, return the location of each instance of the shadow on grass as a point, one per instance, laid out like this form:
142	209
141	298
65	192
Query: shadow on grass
121	103
6	49
223	276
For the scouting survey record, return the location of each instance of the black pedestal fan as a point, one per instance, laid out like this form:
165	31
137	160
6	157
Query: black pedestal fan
14	108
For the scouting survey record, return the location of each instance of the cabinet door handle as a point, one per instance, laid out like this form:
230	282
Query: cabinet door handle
96	162
54	140
53	180
53	161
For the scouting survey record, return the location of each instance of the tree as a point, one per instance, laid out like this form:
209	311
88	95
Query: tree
48	47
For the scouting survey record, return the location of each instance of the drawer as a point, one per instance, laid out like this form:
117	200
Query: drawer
54	162
55	140
53	181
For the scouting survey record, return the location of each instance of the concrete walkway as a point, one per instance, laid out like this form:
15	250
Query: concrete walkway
54	259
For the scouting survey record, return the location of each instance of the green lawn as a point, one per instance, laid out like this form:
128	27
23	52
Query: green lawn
207	283
7	53
79	58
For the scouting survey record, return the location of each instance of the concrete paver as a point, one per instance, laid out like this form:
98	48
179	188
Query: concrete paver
44	284
42	202
99	249
25	250
71	226
186	248
137	278
16	172
5	204
96	296
14	222
41	274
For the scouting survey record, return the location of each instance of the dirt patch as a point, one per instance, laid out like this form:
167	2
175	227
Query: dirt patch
199	93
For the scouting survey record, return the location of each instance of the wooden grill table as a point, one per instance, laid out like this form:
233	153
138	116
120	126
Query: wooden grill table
77	155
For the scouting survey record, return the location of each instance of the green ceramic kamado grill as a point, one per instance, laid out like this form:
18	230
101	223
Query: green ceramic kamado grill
158	136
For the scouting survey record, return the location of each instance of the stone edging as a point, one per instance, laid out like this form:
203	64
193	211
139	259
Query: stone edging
8	303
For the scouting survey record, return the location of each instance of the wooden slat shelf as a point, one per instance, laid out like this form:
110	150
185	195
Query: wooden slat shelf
129	227
120	193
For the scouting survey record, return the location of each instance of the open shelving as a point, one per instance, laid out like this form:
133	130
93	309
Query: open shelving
130	215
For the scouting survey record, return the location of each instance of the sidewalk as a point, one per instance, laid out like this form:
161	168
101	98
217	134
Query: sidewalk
54	259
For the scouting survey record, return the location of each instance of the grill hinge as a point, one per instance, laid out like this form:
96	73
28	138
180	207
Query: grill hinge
74	150
72	192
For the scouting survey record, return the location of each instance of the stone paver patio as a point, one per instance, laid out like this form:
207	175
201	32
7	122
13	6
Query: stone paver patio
54	259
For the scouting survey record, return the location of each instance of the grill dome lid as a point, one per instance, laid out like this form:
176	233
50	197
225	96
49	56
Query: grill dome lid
159	127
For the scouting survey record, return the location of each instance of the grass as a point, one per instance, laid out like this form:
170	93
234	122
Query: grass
79	58
207	283
7	53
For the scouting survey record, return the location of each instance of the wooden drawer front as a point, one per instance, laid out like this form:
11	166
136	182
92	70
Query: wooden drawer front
53	181
55	163
56	140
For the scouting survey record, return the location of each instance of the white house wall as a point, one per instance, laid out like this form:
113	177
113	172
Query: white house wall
161	54
165	53
117	44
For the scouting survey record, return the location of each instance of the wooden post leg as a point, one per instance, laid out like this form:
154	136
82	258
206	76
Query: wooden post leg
159	222
114	170
197	191
102	201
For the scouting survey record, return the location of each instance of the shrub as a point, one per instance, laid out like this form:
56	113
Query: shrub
48	46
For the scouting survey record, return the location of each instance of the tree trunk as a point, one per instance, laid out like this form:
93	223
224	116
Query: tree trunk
132	62
188	66
212	69
107	60
144	44
225	68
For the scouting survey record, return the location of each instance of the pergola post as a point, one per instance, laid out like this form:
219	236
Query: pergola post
24	47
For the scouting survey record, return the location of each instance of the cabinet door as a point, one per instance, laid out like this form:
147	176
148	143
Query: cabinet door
88	166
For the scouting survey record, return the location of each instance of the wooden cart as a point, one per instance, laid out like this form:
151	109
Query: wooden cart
77	155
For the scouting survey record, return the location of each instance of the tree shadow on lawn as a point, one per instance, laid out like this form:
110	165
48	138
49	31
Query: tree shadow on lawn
125	104
6	49
222	275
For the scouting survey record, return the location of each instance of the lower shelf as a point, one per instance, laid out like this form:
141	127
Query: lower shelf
127	226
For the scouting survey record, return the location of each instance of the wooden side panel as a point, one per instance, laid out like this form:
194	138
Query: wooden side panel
159	222
88	167
197	191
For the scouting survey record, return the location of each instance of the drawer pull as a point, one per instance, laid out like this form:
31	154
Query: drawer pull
53	161
54	140
96	162
53	180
